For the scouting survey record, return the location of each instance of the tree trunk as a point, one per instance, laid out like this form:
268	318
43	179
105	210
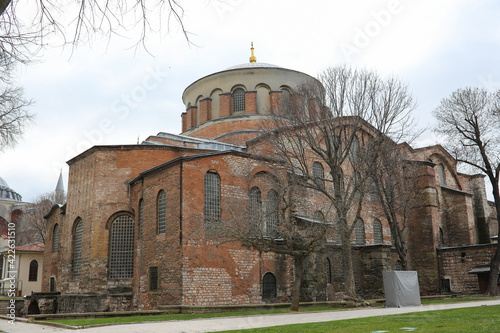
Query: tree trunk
495	261
349	283
299	272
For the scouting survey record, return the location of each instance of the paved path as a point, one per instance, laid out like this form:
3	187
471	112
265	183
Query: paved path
233	323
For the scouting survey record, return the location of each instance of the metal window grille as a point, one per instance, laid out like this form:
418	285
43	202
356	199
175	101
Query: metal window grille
318	174
377	232
77	249
359	233
121	258
269	286
55	238
162	212
398	266
141	208
52	284
153	278
271	213
255	209
212	200
238	100
33	273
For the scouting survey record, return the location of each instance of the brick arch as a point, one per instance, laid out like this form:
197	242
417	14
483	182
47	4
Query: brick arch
440	159
115	215
238	86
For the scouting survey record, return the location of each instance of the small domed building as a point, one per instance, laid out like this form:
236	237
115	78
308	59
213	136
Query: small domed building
135	233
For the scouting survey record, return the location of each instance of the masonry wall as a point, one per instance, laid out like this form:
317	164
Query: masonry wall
215	273
456	262
158	250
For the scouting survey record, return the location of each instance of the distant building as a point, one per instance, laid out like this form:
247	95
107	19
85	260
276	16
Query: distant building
134	233
27	265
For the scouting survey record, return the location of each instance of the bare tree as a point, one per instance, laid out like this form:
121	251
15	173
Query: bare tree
331	121
275	226
14	114
33	226
394	188
22	36
470	124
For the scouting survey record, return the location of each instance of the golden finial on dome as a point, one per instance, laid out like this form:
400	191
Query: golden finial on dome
252	58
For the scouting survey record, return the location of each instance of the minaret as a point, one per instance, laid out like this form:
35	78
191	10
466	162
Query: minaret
252	58
60	190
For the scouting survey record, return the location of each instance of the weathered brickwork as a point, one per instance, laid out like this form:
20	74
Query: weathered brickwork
184	261
455	263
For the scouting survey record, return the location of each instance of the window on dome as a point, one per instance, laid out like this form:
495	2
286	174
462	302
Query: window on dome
238	100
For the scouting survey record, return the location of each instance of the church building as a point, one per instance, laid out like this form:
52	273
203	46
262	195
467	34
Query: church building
134	232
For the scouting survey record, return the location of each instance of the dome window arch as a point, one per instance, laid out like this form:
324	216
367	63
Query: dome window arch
238	100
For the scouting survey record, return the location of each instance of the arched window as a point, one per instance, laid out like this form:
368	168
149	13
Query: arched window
354	150
441	237
318	174
55	238
272	213
255	209
328	271
373	190
77	248
238	100
398	266
269	285
377	232
161	206
212	200
121	248
33	273
359	233
442	175
141	209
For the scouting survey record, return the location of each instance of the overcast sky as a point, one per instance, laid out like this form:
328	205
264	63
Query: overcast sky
111	93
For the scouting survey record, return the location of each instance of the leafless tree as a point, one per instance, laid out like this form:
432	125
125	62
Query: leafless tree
394	188
274	226
331	121
22	36
470	124
33	227
14	113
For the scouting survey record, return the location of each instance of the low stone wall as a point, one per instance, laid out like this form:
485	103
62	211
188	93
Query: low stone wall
456	262
9	304
48	303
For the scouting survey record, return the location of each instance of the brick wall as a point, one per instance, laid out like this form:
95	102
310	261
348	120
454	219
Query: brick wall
456	262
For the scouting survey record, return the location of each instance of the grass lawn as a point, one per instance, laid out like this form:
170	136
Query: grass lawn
478	319
167	317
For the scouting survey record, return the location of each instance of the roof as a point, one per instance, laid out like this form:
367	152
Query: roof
253	65
6	193
480	269
33	247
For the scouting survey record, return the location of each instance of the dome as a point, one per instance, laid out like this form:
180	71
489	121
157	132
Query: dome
252	65
6	193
